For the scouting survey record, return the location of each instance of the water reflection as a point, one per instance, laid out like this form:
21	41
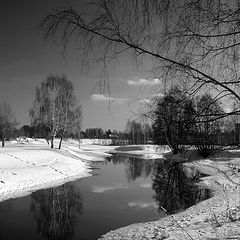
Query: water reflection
122	191
56	211
5	207
175	186
173	183
134	167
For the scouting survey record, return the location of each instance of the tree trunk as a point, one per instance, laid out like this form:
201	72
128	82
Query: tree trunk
3	142
60	143
52	138
79	140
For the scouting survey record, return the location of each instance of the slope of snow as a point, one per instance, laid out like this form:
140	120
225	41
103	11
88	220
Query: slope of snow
27	165
143	151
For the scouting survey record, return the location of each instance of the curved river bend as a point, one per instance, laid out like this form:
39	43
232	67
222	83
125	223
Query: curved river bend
122	191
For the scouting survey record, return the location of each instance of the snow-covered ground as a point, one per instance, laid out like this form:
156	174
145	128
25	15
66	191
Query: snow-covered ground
143	151
217	217
29	164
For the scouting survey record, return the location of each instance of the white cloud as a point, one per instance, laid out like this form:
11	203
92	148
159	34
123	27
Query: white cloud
101	189
103	98
227	109
140	204
143	81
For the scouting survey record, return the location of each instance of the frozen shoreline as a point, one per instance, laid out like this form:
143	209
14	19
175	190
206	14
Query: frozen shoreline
215	218
28	165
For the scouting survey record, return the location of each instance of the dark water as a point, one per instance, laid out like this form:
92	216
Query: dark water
122	191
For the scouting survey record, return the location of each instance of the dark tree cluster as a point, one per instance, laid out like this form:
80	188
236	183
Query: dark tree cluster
117	137
180	121
94	133
36	131
173	119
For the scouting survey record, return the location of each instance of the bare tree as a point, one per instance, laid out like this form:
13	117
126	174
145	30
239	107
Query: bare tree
77	119
192	41
7	122
137	132
68	105
56	211
207	133
52	105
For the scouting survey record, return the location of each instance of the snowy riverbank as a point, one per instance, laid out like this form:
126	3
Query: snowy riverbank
214	218
29	164
143	151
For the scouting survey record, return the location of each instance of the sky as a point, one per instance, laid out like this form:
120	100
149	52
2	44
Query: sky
26	59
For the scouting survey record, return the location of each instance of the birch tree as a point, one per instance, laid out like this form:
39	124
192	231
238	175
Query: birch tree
52	105
68	105
78	123
7	122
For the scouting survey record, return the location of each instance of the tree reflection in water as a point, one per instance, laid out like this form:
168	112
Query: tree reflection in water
56	210
175	186
134	167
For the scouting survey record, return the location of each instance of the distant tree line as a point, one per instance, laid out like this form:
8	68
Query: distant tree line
135	133
41	130
178	120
